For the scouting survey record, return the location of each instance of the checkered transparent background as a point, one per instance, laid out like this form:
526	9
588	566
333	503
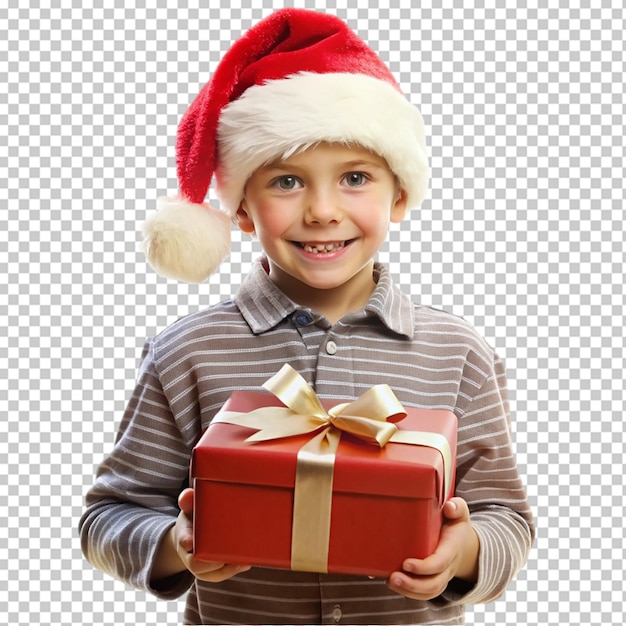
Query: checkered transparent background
522	234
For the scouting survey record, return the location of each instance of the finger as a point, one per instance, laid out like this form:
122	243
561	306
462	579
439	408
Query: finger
456	508
184	534
185	501
221	573
417	588
185	540
430	566
204	569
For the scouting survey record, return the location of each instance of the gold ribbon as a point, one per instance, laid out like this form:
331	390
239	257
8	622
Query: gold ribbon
366	418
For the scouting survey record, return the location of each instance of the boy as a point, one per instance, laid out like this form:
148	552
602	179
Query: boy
315	151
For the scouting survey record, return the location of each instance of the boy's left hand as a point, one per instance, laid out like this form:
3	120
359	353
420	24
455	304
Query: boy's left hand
455	556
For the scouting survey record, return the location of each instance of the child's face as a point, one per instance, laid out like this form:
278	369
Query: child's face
320	217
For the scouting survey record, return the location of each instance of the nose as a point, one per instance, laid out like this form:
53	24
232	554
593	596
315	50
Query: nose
322	208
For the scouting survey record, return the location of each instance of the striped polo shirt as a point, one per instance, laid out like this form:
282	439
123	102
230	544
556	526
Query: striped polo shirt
429	358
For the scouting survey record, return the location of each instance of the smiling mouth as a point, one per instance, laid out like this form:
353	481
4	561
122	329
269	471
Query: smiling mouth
317	248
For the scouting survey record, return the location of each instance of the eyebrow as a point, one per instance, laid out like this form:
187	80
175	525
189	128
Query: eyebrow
362	163
344	165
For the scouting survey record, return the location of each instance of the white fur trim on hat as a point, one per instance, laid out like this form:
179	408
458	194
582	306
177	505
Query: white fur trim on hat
284	116
186	241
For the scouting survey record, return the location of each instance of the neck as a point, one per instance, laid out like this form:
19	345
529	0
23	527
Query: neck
332	303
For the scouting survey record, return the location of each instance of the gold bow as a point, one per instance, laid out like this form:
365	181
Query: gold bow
366	417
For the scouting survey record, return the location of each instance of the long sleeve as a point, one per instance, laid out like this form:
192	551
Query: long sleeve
488	479
133	502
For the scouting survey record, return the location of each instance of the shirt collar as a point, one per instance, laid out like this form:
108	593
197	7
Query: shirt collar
263	305
393	307
260	301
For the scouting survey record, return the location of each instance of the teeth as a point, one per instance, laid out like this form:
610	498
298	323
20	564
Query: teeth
328	247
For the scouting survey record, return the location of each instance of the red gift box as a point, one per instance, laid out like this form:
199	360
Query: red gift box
386	501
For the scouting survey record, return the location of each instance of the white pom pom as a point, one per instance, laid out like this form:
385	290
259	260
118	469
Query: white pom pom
186	241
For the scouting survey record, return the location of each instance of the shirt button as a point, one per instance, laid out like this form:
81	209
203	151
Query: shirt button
337	613
302	319
331	347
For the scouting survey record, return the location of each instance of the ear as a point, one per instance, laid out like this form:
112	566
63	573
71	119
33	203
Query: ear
244	221
398	209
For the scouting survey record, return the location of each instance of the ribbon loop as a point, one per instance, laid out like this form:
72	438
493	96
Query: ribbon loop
292	390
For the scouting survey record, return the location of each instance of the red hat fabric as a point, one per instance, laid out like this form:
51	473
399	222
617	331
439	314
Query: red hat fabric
296	78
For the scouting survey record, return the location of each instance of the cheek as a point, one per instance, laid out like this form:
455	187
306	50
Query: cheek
373	214
270	221
375	223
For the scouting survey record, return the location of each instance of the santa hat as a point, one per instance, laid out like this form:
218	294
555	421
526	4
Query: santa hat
295	79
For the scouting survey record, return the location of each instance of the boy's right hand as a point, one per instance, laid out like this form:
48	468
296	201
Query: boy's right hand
183	542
